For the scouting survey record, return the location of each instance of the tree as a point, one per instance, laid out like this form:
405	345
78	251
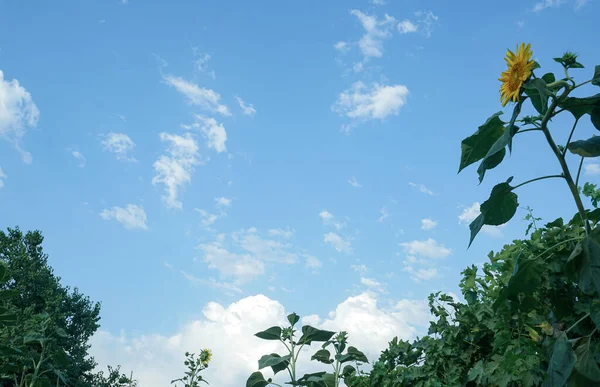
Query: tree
39	291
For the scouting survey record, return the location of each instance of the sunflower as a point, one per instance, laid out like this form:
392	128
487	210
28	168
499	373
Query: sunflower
520	66
205	356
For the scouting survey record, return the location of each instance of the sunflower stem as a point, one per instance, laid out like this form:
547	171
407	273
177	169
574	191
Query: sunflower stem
579	172
564	152
536	179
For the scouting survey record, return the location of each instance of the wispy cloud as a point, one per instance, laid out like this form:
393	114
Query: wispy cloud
428	248
341	244
592	169
79	156
406	27
207	99
383	214
247	109
428	224
371	43
542	5
213	131
2	178
120	144
131	217
421	188
329	219
353	182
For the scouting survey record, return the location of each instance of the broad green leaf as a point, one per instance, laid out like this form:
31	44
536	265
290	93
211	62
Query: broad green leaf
538	93
580	106
273	333
61	358
7	294
596	77
60	332
31	337
476	146
7	318
586	148
476	372
500	207
595	117
256	380
585	263
525	279
274	360
348	371
490	163
352	354
310	334
6	350
595	313
585	364
475	227
562	362
293	318
323	356
509	132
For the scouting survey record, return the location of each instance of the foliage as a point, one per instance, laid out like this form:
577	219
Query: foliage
192	377
532	317
114	379
289	361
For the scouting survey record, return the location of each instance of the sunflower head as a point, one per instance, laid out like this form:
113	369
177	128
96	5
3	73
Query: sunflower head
520	66
205	356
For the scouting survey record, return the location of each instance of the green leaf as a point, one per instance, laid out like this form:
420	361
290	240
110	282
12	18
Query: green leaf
273	333
585	364
352	354
348	371
7	294
538	92
476	372
323	356
580	106
595	313
526	278
31	337
586	148
61	358
595	117
6	350
585	263
562	362
274	361
596	77
490	163
7	318
310	334
476	146
498	209
2	272
293	318
256	380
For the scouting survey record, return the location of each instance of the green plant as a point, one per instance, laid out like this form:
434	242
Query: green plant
289	361
192	376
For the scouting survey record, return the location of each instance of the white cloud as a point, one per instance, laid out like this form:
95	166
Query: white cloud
280	232
223	202
372	284
120	144
205	98
175	169
418	275
470	213
200	64
371	43
329	220
353	182
213	132
156	359
421	188
313	262
339	243
2	178
362	103
79	157
248	110
429	248
227	287
383	214
207	218
342	46
427	21
359	268
542	5
245	254
17	113
406	26
592	169
378	2
580	3
131	217
124	2
428	224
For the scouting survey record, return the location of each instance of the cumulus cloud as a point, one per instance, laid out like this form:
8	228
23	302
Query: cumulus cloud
18	112
213	132
247	109
421	188
2	178
361	103
341	244
428	224
207	99
371	43
120	144
470	213
406	27
428	248
131	217
156	359
176	167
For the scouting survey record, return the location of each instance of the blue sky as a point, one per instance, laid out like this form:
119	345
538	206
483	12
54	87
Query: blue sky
187	155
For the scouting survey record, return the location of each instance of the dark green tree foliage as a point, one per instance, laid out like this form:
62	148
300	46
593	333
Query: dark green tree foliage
526	322
39	291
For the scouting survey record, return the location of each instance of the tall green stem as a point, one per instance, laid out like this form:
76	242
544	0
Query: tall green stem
536	179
